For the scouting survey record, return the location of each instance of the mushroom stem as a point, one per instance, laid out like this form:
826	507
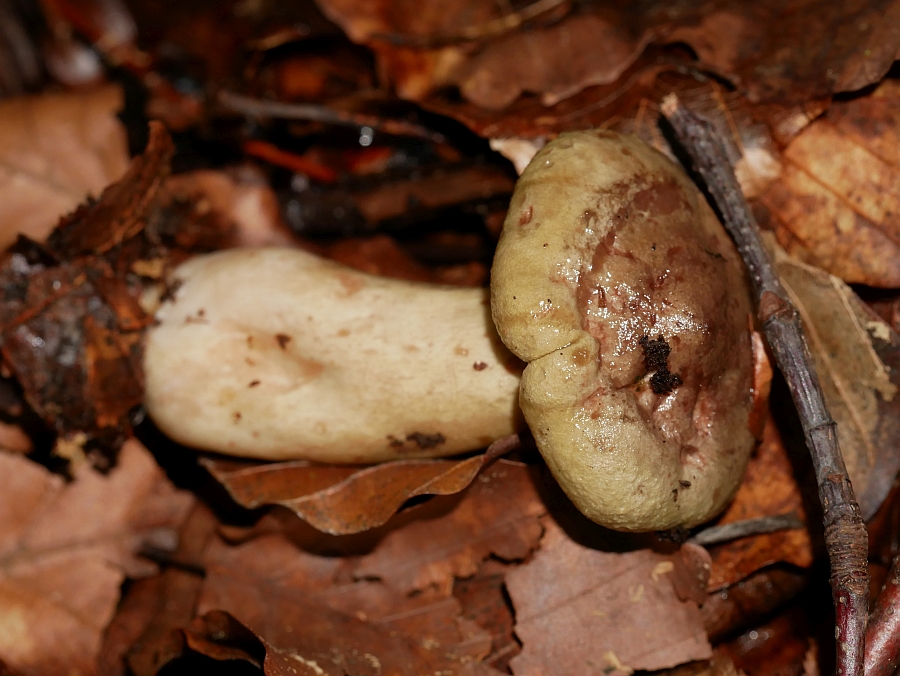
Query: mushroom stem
279	354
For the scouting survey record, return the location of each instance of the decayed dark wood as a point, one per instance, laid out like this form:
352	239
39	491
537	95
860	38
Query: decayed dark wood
883	634
845	532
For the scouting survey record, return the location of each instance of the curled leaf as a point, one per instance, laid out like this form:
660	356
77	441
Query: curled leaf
340	499
860	390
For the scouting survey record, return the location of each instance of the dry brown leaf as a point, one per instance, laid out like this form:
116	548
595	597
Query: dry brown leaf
719	665
836	204
746	604
152	607
281	590
583	611
343	499
770	50
860	390
753	133
484	602
795	50
499	515
65	550
55	150
354	650
554	61
769	489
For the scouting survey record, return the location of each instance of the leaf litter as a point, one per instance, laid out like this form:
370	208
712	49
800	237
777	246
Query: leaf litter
65	549
426	589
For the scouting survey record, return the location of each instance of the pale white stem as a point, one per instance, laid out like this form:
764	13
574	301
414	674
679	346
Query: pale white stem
279	354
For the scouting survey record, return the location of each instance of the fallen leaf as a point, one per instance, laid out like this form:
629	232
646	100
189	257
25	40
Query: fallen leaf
860	389
781	645
771	51
138	639
769	488
742	605
55	150
753	134
403	585
302	599
342	499
836	204
554	62
497	515
485	602
65	550
124	208
583	611
219	635
621	102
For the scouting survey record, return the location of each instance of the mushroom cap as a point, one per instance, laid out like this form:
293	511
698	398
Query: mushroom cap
614	280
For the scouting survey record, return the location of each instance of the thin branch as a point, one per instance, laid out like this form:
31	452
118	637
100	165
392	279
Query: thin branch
883	635
845	532
489	29
251	107
741	529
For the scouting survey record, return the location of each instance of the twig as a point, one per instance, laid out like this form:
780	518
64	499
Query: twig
251	107
845	532
489	29
883	635
740	529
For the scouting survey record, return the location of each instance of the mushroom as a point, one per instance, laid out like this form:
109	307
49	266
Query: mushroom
615	282
279	354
